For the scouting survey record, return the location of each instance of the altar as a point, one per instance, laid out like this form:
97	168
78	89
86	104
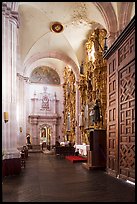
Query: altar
82	149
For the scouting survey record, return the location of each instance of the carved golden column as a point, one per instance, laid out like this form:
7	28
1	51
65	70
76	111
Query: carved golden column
96	70
69	104
83	93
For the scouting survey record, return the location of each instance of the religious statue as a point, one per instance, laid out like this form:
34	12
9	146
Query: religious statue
91	114
82	69
96	112
28	139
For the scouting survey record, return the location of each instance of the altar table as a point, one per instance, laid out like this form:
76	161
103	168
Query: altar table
82	149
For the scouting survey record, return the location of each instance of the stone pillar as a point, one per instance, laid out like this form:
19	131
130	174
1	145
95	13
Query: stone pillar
34	101
27	107
21	110
5	76
9	65
54	134
35	138
55	103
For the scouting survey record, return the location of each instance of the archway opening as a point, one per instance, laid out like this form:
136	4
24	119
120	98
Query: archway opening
45	137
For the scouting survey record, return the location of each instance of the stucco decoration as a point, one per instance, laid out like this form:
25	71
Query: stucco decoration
44	75
56	27
80	14
45	102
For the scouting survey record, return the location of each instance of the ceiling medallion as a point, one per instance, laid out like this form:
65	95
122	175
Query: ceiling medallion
56	27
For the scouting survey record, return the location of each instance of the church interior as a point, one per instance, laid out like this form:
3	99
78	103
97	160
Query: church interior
68	86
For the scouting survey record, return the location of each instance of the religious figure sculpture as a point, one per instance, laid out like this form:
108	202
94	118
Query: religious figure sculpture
28	139
91	114
96	112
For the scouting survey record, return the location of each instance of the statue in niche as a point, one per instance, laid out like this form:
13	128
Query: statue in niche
97	112
81	116
68	122
89	80
28	139
82	68
86	116
92	115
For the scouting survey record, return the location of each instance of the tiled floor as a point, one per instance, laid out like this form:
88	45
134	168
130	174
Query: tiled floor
47	178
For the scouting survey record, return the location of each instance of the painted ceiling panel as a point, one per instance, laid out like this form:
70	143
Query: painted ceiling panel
45	75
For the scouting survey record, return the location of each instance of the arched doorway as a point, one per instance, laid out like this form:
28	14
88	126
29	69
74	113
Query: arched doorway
45	137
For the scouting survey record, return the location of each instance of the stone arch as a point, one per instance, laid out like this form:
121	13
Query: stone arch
53	54
108	13
15	6
12	6
11	9
124	15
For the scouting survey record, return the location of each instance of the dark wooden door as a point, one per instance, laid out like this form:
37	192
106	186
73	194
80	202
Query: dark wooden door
127	122
121	105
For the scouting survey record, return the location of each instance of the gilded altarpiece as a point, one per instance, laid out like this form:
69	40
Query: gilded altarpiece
82	115
93	84
69	105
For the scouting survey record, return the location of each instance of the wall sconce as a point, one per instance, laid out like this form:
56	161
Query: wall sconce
6	118
20	129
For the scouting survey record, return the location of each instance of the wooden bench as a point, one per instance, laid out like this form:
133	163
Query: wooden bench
23	159
64	151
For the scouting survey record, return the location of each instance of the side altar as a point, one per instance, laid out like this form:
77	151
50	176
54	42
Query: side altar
96	156
93	101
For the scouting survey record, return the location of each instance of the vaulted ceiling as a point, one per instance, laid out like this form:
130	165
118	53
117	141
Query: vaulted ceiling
40	46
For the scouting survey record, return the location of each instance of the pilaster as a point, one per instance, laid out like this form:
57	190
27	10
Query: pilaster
9	63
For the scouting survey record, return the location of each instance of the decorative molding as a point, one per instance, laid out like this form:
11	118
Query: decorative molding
10	10
22	77
52	54
69	104
125	33
56	27
44	116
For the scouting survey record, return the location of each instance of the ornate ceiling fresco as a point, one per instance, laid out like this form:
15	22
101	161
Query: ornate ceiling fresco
45	75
